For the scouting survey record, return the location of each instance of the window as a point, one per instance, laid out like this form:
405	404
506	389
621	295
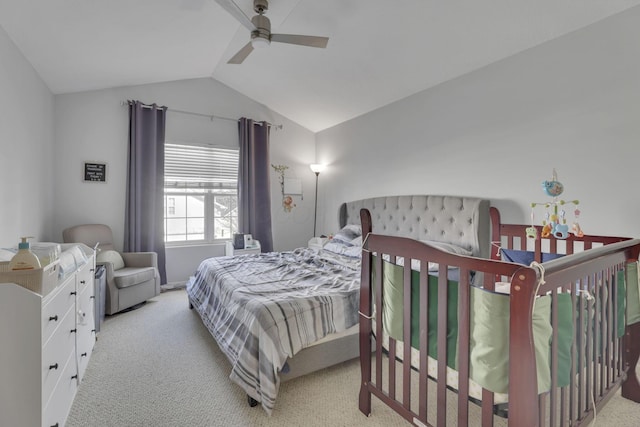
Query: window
200	193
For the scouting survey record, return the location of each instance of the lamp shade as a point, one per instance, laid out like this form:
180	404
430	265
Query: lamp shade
316	168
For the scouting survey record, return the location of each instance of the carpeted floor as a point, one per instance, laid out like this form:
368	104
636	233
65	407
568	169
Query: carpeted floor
158	366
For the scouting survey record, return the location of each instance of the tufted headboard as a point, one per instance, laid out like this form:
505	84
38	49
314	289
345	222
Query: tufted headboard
463	221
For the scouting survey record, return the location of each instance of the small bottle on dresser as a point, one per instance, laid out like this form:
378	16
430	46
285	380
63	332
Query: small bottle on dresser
24	259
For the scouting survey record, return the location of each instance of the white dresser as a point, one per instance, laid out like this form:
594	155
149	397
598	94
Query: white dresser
46	345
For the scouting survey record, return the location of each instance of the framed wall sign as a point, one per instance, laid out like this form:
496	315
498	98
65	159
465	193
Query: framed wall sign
94	172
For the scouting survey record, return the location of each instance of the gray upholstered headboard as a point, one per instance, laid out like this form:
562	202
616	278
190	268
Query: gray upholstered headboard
463	221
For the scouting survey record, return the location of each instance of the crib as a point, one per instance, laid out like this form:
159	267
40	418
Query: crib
567	328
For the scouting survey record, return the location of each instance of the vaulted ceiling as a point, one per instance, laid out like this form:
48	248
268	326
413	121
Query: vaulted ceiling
379	51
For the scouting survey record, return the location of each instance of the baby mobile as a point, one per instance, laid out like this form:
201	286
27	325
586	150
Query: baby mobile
555	221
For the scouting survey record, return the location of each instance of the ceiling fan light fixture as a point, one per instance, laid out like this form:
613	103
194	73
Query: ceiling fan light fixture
260	42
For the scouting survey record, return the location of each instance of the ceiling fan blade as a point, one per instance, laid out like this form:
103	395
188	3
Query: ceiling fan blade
312	41
241	55
237	13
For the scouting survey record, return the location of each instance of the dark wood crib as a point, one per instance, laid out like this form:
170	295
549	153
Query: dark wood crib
590	292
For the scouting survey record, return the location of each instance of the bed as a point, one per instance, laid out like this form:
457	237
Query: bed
277	316
545	341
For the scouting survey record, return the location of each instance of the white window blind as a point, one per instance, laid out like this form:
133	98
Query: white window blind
198	166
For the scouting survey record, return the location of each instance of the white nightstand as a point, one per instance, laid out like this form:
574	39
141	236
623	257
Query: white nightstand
230	251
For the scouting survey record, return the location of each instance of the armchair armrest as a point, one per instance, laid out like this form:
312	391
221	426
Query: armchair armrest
140	259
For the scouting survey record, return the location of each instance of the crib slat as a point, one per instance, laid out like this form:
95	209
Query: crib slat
538	250
609	327
600	357
406	356
464	347
391	361
554	359
378	313
563	407
423	394
586	377
581	344
442	347
487	408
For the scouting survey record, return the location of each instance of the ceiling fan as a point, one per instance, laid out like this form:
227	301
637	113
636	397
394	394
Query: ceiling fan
260	28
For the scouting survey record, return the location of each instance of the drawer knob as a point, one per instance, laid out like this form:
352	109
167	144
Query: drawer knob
83	355
92	297
56	425
74	377
73	293
73	331
83	282
54	318
55	366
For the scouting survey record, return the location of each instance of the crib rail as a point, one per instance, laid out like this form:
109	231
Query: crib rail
603	353
514	236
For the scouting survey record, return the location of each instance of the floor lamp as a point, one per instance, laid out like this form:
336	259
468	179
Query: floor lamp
316	168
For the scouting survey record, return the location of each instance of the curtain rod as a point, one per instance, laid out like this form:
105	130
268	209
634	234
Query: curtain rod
209	116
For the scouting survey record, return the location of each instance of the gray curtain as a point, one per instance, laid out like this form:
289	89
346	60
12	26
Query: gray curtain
144	227
254	196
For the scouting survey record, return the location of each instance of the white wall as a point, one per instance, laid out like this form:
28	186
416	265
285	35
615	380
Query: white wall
94	126
572	104
26	147
497	133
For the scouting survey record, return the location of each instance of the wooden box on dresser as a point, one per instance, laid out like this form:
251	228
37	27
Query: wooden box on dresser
46	343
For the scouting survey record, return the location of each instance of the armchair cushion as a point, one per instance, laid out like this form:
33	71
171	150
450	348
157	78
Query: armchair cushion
130	276
111	256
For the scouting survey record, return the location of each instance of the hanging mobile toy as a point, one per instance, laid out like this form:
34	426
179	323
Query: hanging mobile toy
575	227
532	232
555	223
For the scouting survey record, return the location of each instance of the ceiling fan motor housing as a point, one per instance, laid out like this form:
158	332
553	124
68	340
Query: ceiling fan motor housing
263	27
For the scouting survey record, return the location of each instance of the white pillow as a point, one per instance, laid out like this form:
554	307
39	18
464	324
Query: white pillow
111	256
348	233
341	248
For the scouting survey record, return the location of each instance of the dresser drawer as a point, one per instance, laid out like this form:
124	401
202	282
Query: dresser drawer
55	306
57	409
56	352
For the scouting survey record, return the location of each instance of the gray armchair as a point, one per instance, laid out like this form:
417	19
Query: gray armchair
132	277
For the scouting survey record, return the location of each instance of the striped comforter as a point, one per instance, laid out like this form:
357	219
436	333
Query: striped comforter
263	309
